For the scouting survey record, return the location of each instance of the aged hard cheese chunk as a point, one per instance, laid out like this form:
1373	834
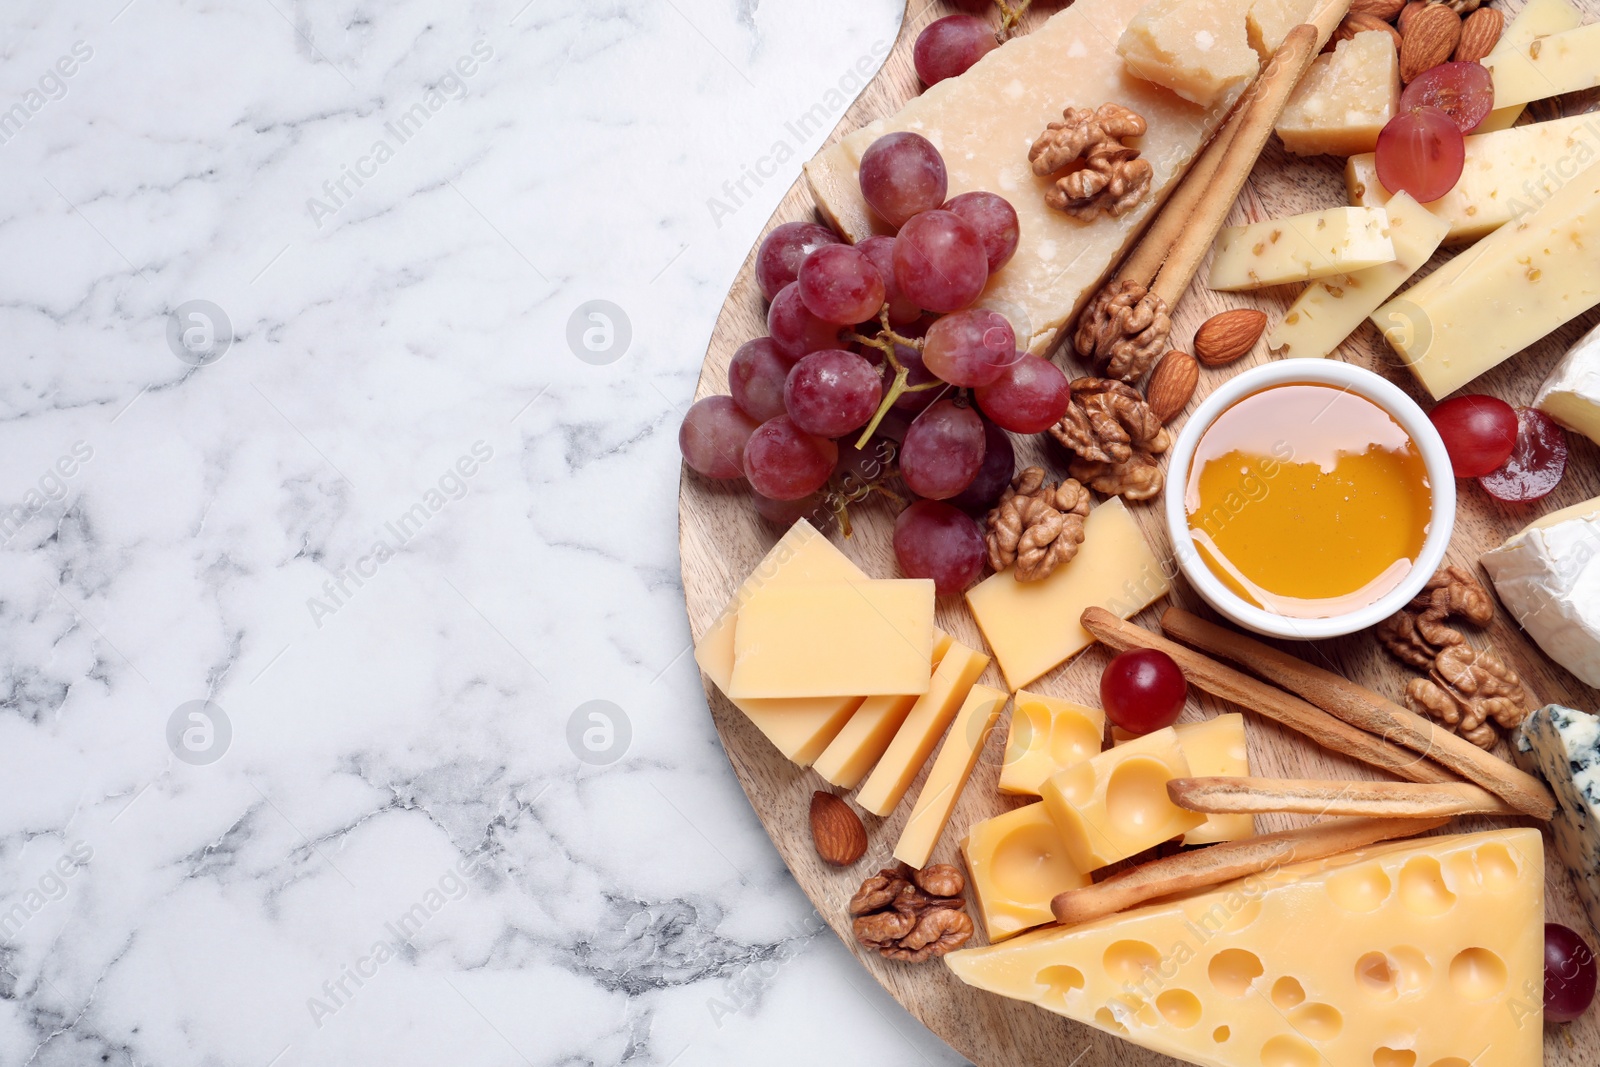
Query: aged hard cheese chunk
1330	310
1033	626
1217	747
1271	20
1548	66
1337	240
1548	577
1017	864
948	775
863	740
834	639
913	742
1571	394
1538	18
1200	51
1506	175
1116	804
1343	102
1502	294
984	121
1563	746
1417	954
1048	734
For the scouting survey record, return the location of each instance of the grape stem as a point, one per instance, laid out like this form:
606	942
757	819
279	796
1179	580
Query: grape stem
1010	16
884	342
841	498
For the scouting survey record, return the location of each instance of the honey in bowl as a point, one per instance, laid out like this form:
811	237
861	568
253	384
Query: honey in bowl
1309	501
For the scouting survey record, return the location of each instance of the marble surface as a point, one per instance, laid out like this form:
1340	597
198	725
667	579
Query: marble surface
328	513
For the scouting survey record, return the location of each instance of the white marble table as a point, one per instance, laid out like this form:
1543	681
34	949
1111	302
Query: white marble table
318	534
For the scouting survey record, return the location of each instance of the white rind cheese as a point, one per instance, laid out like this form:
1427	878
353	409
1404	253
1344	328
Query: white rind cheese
1548	577
1563	746
1571	394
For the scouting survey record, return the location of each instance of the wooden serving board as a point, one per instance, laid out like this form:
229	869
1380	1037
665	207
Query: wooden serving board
721	539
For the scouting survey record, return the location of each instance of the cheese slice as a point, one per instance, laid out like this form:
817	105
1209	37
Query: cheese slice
1548	66
1033	627
1563	747
913	742
1505	175
984	121
1048	734
1337	240
948	775
1016	865
1416	954
1571	393
864	739
1345	99
1502	294
1538	18
1213	747
1330	310
1548	577
834	639
1201	52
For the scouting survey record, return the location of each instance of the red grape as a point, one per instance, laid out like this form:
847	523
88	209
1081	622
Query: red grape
713	437
942	451
948	46
879	248
999	467
1030	396
1464	91
1143	690
902	174
794	329
994	220
858	467
1538	460
840	285
1569	974
755	378
1478	431
939	261
934	540
970	348
832	392
1421	151
783	462
784	249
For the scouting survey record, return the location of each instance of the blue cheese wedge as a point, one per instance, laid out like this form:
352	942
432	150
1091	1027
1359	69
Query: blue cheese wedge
1563	745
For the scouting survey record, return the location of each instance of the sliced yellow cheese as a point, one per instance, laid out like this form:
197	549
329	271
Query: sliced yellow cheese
834	639
1347	96
1048	734
1502	294
1538	18
1547	66
1336	240
948	775
1331	309
984	122
1505	175
1200	51
1033	627
862	742
1116	804
929	716
1016	864
1417	954
1215	747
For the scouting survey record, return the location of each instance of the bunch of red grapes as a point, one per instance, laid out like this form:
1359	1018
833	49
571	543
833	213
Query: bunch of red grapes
877	343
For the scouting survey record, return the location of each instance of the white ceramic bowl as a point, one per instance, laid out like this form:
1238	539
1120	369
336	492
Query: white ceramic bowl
1321	372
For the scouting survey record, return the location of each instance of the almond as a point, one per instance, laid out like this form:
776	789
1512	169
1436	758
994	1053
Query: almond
1406	13
1480	32
1172	384
1223	338
836	830
1357	23
1430	37
1387	10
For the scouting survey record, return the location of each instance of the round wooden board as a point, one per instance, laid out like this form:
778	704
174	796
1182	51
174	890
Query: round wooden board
721	539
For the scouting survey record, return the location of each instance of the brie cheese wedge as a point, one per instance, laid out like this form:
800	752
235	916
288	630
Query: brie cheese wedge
1563	746
1571	394
1548	576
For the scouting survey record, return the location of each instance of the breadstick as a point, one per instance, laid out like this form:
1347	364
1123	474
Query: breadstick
1304	796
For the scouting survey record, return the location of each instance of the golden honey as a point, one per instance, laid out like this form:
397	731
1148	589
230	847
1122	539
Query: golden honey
1308	500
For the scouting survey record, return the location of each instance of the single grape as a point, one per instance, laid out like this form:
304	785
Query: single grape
970	348
784	249
934	540
939	261
794	329
879	248
948	46
840	285
714	436
1569	974
902	174
1143	690
783	462
785	513
1421	151
999	467
1030	396
1537	462
942	451
859	467
1479	432
994	220
832	392
755	378
1464	91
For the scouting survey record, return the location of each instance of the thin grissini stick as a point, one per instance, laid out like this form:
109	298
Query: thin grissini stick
1311	796
1367	710
1230	860
1263	699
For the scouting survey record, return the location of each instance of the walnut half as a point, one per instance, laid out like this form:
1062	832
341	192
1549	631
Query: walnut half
1114	438
1123	331
912	915
1036	526
1108	177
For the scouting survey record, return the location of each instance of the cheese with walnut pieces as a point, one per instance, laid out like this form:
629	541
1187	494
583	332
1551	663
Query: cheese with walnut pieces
1563	745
